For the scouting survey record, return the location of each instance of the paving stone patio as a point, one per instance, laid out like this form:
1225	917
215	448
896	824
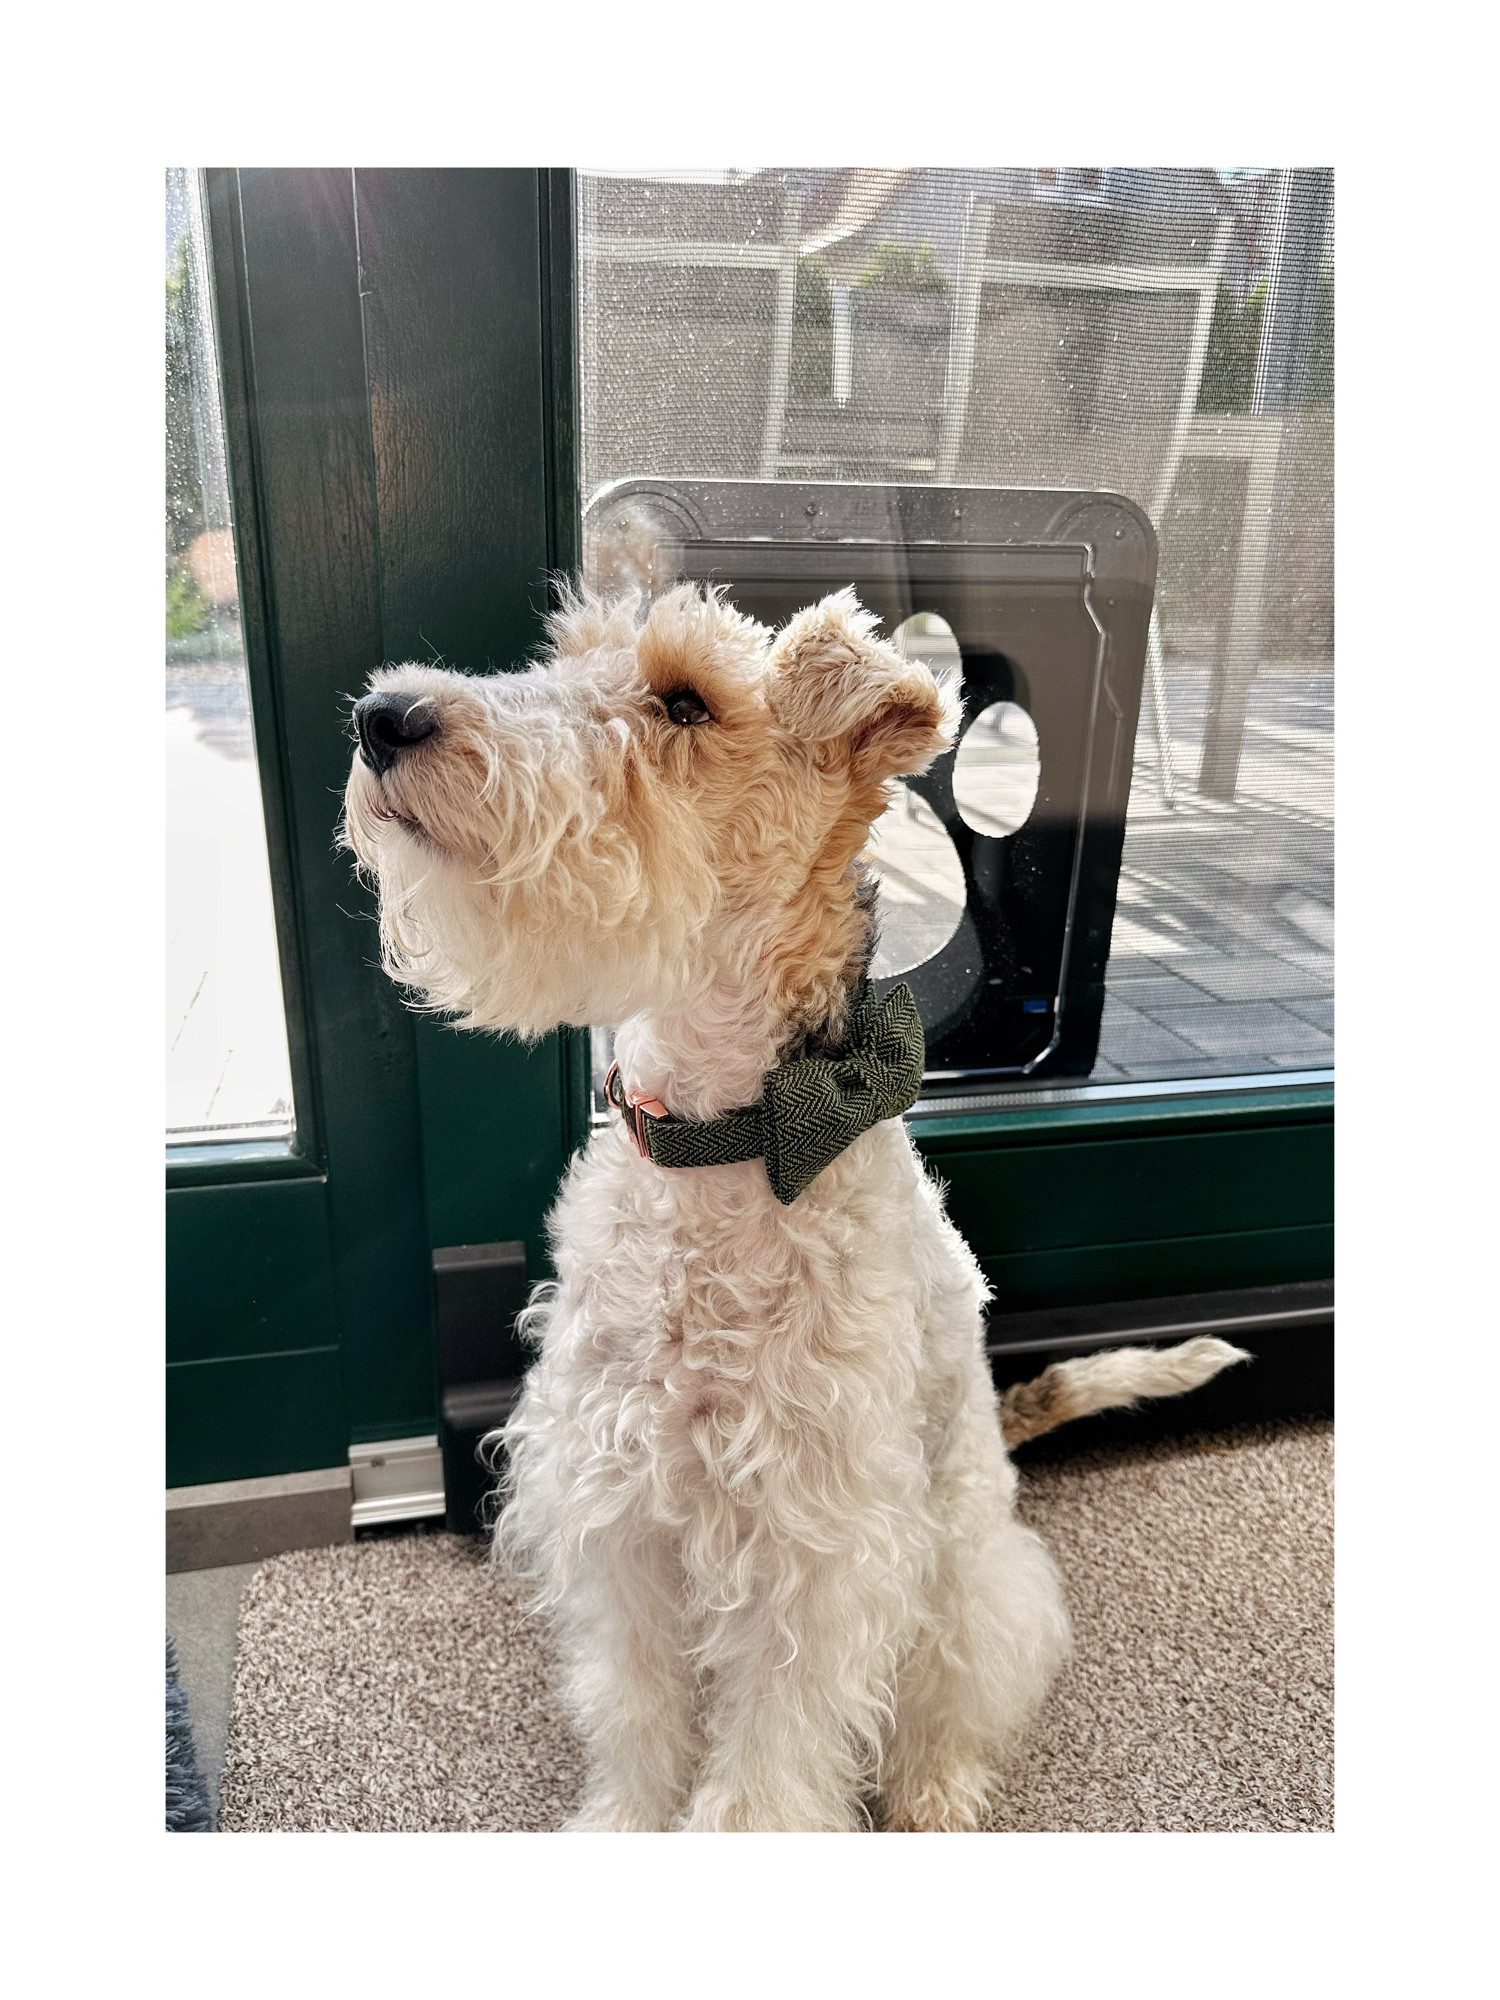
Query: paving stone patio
1222	957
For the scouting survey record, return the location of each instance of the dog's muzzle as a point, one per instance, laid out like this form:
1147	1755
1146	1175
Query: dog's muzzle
390	723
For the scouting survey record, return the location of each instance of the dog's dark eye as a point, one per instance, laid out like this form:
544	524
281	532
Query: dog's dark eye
686	707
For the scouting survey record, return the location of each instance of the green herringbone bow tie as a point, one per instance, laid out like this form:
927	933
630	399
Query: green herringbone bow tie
814	1106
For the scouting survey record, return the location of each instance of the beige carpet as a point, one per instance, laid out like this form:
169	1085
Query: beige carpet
393	1684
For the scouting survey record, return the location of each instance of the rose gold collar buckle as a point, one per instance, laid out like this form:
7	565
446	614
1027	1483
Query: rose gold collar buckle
633	1109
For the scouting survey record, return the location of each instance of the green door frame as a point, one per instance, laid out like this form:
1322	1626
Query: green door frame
399	364
401	465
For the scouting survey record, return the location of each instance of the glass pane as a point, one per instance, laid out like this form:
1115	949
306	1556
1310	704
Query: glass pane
1165	335
228	1074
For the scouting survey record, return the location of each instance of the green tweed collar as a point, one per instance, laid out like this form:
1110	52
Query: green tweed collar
814	1106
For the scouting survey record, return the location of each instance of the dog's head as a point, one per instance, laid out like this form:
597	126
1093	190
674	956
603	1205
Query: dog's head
656	799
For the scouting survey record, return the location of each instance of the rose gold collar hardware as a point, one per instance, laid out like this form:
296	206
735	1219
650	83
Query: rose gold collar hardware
633	1109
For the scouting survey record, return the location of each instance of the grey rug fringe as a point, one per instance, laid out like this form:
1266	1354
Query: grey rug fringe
187	1794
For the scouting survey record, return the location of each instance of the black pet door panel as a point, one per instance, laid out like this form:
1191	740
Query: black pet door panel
1048	596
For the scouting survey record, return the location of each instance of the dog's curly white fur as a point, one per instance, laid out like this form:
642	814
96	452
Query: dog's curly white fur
757	1475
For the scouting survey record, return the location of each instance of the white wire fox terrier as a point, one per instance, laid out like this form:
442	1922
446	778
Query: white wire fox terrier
758	1475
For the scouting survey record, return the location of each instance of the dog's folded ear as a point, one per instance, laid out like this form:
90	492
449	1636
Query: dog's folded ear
829	678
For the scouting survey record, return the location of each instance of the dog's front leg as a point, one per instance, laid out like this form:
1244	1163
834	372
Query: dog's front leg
996	1634
629	1685
799	1694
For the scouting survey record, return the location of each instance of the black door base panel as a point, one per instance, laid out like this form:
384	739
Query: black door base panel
1287	1329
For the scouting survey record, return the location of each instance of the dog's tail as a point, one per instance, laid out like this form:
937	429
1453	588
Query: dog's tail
1115	1379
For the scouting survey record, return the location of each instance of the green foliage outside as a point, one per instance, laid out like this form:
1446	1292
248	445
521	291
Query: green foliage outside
1234	347
1233	344
186	610
905	267
812	303
812	330
1320	357
894	268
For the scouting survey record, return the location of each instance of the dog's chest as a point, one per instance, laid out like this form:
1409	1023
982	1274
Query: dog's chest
698	1321
704	1301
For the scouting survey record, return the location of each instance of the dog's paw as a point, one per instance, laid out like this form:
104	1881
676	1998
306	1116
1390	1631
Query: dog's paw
731	1812
616	1816
955	1803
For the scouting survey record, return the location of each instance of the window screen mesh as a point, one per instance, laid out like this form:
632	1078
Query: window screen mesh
1165	335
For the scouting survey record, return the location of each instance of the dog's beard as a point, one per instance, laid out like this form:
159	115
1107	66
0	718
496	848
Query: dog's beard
561	948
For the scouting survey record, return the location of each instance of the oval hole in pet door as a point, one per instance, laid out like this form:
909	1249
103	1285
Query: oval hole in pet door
926	637
997	769
921	878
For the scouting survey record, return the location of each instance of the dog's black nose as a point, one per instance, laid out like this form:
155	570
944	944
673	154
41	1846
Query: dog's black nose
391	723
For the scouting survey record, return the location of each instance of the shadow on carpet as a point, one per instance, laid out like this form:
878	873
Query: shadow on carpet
396	1686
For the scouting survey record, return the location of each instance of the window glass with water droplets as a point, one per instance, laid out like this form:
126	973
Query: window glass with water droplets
228	1073
1162	335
